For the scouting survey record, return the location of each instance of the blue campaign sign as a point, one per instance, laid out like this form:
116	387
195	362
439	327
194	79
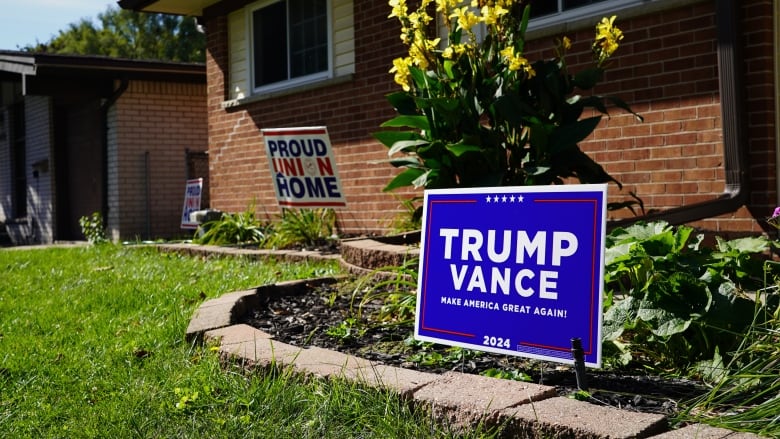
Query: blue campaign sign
514	270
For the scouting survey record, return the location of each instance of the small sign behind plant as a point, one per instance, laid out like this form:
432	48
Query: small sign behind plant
192	195
303	167
513	270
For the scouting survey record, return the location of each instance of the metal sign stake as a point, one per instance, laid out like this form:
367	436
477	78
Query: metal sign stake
579	364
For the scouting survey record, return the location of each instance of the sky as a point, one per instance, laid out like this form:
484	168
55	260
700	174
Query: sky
25	22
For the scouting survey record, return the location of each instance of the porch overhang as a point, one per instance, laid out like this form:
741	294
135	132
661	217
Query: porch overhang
193	8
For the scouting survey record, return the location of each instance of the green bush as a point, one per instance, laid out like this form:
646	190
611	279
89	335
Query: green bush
93	229
671	302
234	229
306	227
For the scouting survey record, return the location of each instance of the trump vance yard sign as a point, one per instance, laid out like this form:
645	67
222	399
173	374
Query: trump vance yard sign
513	270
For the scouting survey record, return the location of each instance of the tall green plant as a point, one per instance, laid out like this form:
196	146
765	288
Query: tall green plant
234	228
746	395
303	226
475	112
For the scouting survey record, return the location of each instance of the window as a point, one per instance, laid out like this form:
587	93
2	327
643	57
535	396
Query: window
290	42
546	7
573	13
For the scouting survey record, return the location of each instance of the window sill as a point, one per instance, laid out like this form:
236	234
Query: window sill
233	103
587	17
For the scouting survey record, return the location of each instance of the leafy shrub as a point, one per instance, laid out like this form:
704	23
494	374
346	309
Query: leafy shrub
234	229
670	301
307	227
93	229
397	291
478	113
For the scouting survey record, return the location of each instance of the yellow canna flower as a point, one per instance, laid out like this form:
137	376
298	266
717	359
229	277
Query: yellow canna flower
418	57
607	38
517	62
443	6
401	71
399	8
491	15
466	18
566	43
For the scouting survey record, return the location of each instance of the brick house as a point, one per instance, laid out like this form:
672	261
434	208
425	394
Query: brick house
702	73
84	134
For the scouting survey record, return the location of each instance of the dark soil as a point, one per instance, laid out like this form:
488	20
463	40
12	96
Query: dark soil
330	317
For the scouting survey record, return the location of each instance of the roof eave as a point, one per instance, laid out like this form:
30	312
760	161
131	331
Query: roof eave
192	8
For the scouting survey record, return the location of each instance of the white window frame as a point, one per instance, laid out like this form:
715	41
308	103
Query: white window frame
292	82
584	15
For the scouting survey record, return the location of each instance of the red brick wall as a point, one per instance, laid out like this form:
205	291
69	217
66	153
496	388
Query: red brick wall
164	120
666	69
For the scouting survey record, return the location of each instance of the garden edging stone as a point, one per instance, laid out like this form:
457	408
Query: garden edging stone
461	400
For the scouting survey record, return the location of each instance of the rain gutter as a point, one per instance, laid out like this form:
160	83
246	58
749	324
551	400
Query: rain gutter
736	192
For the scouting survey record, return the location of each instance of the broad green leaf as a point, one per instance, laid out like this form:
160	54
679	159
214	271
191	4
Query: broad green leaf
617	252
594	102
422	80
402	145
664	323
448	65
389	138
406	161
712	370
403	103
588	78
730	309
459	148
419	122
563	138
751	244
662	244
405	178
640	231
422	180
616	318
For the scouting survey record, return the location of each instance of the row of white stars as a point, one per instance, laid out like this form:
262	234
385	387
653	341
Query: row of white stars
504	199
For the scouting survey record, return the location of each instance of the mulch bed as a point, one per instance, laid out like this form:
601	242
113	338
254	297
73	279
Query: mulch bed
317	318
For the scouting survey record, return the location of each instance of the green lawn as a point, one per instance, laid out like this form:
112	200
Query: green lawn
92	345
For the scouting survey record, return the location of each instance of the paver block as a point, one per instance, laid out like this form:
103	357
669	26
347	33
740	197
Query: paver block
235	334
703	431
402	381
220	312
329	364
262	352
568	418
461	400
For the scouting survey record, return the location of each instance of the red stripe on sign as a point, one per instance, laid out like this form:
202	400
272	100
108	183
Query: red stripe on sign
293	132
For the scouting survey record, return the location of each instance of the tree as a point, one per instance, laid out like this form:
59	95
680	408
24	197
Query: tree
130	34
